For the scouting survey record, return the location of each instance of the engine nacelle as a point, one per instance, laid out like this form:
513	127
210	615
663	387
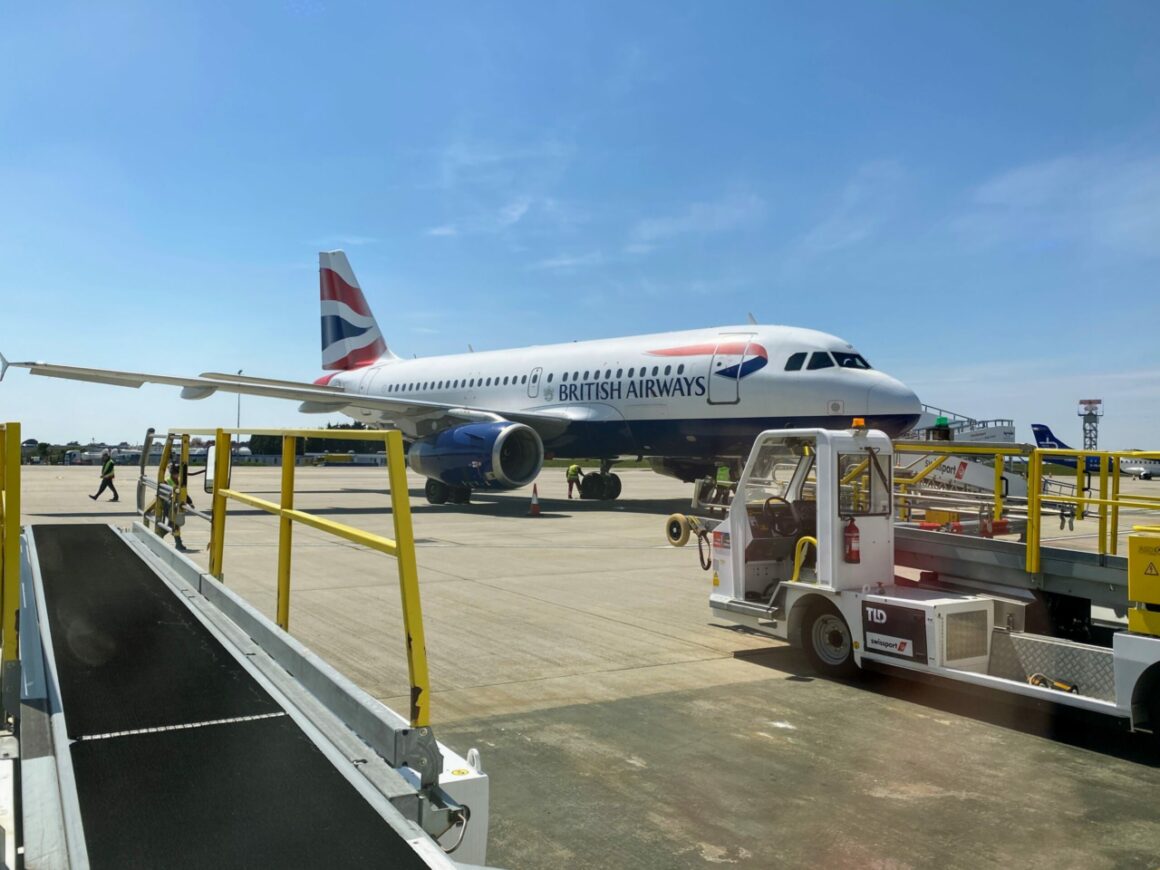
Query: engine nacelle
498	455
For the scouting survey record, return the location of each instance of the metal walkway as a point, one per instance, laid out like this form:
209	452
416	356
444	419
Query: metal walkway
182	753
1100	578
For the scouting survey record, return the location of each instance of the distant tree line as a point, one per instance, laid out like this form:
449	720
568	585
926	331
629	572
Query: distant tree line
267	444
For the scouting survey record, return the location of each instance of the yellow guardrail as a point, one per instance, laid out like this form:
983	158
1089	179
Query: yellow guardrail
9	538
1108	502
1107	499
401	547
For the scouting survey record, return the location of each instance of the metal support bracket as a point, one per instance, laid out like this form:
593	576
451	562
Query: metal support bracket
418	749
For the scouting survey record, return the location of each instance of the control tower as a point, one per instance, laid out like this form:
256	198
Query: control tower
1091	410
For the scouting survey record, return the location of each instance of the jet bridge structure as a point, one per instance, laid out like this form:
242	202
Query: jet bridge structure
156	719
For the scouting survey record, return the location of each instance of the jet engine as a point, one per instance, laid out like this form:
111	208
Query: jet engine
499	455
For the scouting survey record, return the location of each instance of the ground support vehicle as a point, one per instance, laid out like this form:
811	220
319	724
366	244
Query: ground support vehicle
806	553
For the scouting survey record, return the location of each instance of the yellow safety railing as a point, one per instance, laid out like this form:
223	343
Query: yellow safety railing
922	449
402	546
9	538
1108	502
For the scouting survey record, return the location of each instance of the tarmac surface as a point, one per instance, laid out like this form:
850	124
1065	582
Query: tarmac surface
623	725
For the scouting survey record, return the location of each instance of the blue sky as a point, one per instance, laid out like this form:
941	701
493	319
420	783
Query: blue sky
968	192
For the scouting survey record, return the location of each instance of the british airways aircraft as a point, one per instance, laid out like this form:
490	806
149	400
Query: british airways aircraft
1134	466
689	401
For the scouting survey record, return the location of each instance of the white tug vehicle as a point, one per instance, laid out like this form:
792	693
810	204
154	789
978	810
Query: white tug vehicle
805	553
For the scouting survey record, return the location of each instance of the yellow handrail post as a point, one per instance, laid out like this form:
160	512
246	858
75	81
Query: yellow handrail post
1080	468
799	555
221	476
1103	522
1116	510
409	583
10	587
998	487
1034	507
286	530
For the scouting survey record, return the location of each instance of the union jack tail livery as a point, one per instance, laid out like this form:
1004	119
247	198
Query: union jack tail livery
350	337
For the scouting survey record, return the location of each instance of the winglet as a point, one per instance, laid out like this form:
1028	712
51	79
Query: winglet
3	365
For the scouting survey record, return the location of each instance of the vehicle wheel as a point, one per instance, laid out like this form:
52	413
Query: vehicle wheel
827	641
613	489
436	491
677	530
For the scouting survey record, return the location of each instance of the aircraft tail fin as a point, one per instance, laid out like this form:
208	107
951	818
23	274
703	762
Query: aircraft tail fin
350	335
1044	437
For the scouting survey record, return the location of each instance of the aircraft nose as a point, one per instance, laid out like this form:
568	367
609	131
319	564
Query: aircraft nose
890	397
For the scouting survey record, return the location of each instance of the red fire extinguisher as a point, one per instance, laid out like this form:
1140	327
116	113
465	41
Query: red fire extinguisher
853	551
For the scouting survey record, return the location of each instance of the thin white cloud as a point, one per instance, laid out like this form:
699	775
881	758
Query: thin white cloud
867	201
701	218
1107	201
569	261
345	241
444	230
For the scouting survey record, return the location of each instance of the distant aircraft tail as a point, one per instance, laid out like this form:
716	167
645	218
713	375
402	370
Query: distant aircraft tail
350	335
1045	438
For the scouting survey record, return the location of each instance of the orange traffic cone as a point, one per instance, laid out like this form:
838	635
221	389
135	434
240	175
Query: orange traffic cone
534	510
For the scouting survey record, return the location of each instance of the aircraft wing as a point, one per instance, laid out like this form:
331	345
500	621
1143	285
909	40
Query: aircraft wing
414	417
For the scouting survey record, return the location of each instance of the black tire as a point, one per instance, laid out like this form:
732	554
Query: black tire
590	486
461	494
827	641
613	490
436	491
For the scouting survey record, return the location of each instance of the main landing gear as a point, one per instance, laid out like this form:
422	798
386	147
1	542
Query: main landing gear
603	484
438	492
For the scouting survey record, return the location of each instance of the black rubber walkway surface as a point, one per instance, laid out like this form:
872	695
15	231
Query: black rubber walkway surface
214	790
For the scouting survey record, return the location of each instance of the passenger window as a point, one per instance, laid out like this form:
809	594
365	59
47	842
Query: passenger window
549	377
820	360
564	377
505	381
607	374
586	375
794	363
630	371
681	369
619	374
668	369
655	370
575	376
524	379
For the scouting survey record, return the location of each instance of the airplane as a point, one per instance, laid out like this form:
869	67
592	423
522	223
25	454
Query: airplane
689	401
1134	466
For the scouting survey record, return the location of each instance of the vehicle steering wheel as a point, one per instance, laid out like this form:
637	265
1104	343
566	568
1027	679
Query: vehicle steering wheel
784	526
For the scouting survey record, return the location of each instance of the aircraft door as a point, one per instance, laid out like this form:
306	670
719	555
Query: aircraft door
534	382
725	371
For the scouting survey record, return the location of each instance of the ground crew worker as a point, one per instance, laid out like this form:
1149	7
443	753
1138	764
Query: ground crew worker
574	475
107	475
171	515
724	475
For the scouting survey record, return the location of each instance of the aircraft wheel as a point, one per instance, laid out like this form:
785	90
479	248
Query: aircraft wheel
827	641
436	491
613	489
590	486
677	530
461	494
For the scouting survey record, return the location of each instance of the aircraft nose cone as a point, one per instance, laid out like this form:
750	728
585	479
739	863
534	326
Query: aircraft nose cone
893	401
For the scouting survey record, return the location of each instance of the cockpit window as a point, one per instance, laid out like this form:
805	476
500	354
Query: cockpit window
820	360
794	363
850	360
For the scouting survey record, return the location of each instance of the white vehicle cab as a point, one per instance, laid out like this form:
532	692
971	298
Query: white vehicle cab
806	554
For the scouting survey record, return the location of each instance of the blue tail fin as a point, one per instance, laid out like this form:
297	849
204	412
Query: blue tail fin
1044	437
